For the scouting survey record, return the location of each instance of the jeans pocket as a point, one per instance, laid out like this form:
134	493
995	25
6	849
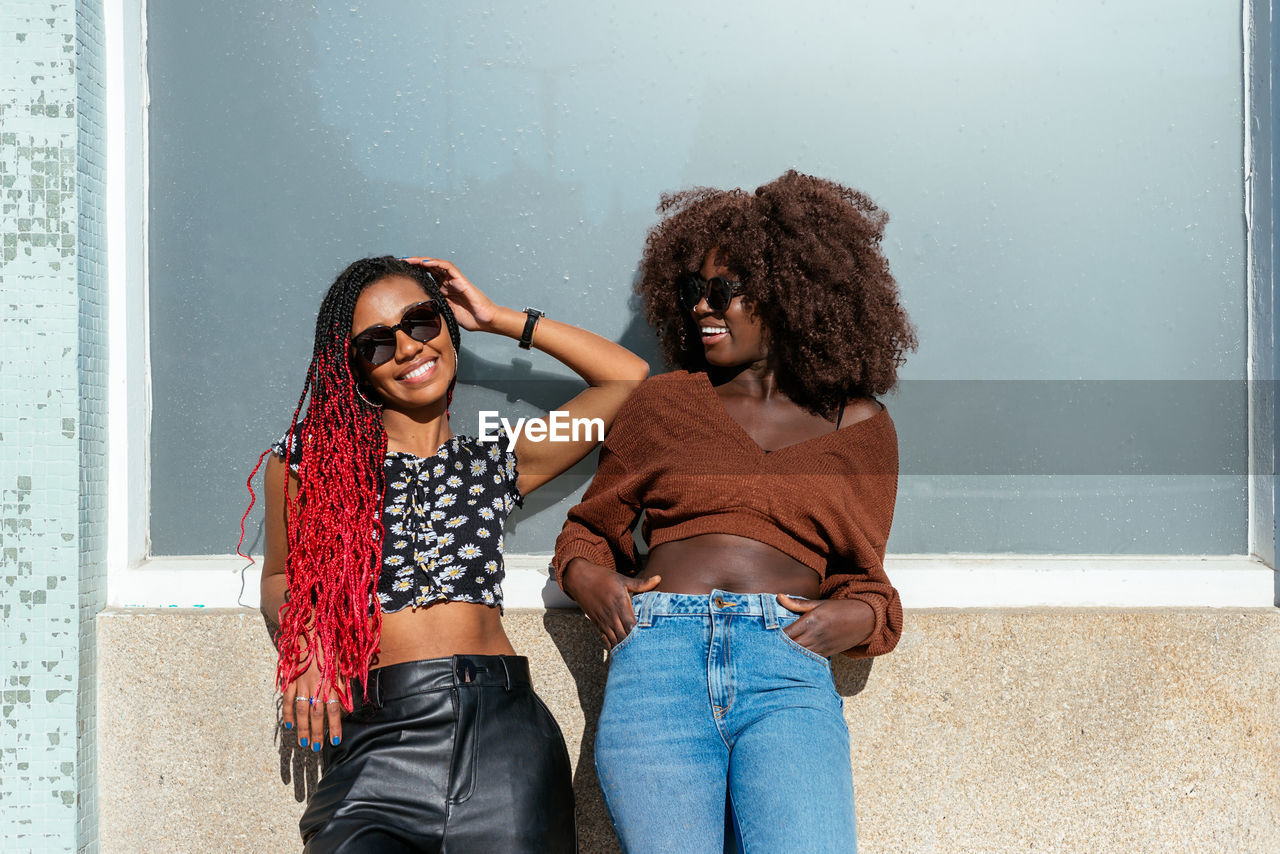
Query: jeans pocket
800	648
626	641
631	633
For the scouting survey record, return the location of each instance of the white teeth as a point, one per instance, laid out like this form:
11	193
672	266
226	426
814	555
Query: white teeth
419	371
714	330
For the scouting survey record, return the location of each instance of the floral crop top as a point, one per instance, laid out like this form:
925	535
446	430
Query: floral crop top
443	522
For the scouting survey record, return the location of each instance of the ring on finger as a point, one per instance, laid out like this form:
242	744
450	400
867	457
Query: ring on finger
302	699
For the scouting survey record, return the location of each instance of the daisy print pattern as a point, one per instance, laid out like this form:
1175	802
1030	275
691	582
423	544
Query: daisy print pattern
442	523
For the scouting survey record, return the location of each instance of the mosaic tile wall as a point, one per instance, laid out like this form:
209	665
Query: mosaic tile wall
52	420
91	369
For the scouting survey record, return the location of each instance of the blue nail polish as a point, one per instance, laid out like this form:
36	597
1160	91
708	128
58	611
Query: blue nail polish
316	747
302	741
288	724
337	739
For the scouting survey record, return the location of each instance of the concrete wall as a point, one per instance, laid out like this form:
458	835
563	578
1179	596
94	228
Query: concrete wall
999	730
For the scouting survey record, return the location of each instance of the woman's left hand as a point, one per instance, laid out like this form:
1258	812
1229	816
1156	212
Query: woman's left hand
471	307
829	626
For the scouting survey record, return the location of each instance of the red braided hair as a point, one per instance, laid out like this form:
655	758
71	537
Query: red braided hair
335	521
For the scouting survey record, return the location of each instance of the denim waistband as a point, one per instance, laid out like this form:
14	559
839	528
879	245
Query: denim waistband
416	677
717	602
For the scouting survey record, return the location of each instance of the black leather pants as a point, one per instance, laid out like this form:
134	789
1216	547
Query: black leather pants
450	756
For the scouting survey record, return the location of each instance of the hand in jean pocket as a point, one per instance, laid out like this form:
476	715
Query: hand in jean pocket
829	626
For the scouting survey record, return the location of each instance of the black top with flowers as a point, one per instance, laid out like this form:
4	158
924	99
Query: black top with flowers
443	522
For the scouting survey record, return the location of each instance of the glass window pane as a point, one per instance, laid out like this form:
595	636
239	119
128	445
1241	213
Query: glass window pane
1064	181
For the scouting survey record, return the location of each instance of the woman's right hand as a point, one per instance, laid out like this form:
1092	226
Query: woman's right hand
605	596
471	308
309	720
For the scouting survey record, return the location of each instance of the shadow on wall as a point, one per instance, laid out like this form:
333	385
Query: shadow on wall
850	674
583	653
298	767
520	381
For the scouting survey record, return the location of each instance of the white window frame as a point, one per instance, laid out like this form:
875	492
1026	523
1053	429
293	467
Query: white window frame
137	579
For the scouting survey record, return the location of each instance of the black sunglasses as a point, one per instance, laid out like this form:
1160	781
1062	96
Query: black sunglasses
717	291
377	344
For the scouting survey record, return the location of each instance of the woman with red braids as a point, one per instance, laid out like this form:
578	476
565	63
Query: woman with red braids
384	564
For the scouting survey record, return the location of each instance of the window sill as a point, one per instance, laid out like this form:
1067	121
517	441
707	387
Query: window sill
924	581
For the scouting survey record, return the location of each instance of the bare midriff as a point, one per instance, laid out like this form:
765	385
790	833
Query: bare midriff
728	562
441	630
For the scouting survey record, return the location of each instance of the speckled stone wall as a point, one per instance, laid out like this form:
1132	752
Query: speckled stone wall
1049	730
52	419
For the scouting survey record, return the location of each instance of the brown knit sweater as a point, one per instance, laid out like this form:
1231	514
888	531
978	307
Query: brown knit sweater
676	454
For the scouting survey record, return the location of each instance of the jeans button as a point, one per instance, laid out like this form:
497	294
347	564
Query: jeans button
719	602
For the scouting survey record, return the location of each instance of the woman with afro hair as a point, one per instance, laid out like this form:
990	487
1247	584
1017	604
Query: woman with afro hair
384	567
767	472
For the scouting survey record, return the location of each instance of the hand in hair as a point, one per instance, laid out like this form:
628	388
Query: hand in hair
473	309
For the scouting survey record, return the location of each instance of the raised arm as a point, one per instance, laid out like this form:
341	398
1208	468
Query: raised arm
610	371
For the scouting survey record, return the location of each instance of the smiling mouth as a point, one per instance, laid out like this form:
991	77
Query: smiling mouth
710	333
417	373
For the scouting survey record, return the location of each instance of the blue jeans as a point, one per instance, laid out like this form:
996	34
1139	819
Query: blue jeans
720	733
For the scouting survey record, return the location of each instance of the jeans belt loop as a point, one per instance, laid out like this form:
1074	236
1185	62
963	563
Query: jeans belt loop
506	672
373	690
645	617
769	607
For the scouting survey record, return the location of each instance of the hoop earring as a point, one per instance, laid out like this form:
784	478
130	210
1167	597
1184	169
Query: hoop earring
368	402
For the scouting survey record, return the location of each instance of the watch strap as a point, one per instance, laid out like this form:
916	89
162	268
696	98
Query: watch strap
532	315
